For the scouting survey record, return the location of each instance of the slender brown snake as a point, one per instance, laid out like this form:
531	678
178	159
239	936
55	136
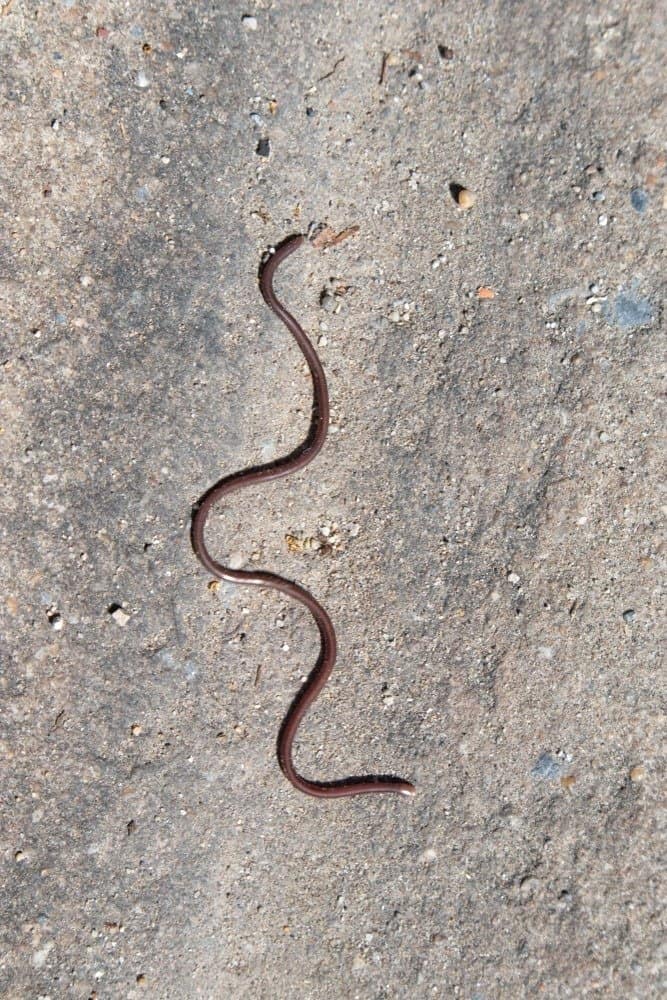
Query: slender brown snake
263	474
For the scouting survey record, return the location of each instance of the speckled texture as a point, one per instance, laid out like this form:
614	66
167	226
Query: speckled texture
493	473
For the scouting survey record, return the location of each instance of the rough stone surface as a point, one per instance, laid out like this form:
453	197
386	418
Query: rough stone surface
492	477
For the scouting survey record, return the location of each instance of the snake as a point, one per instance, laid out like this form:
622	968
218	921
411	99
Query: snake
296	460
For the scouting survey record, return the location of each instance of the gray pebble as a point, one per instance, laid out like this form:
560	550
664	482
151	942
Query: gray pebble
639	200
629	311
546	767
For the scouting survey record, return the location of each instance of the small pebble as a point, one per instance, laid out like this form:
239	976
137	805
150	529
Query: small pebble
263	148
142	80
120	616
598	196
55	620
567	781
465	198
637	773
136	729
19	856
603	220
546	767
485	293
639	200
249	22
629	615
102	32
514	578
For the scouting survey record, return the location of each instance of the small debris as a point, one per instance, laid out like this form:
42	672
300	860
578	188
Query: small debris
327	237
213	586
119	615
19	856
568	781
483	292
249	22
299	543
465	198
331	295
514	578
101	31
136	729
629	615
445	52
142	80
637	773
263	148
528	886
141	979
402	311
603	220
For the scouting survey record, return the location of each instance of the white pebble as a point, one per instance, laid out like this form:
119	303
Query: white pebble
514	578
603	220
120	617
249	22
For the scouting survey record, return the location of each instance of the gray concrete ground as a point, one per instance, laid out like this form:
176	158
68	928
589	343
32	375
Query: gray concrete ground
489	489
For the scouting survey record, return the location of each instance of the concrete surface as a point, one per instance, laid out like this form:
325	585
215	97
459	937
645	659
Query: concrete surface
490	485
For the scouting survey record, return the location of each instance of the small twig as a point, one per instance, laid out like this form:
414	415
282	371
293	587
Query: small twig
6	7
327	237
331	72
61	714
383	70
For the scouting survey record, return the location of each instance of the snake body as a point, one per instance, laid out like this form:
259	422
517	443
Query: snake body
263	474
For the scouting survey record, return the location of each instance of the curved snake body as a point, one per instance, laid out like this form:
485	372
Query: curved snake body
283	467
